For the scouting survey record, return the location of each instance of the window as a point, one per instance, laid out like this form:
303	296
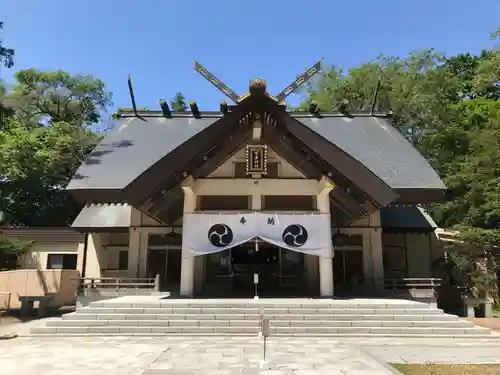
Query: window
118	239
289	202
341	239
225	202
123	260
164	240
62	261
240	170
272	170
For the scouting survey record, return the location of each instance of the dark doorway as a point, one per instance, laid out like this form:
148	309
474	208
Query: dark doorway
348	272
156	265
247	261
174	259
279	272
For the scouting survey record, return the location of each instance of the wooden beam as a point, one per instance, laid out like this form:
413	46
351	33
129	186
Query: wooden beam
221	154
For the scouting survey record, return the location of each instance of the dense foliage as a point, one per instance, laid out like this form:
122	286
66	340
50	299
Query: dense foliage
449	108
47	127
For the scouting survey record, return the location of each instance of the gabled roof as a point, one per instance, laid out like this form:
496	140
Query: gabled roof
146	156
136	144
103	217
406	218
380	147
132	147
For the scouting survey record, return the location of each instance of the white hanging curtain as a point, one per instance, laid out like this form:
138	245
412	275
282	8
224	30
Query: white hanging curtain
210	233
305	233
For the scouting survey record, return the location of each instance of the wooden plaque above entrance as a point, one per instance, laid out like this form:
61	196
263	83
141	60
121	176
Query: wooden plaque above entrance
256	159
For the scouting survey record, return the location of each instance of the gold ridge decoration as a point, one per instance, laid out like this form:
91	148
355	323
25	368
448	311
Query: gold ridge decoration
256	159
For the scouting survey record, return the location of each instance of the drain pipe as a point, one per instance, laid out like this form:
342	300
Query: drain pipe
85	249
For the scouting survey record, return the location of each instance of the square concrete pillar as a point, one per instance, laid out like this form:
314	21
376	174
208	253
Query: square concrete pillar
325	262
133	253
188	261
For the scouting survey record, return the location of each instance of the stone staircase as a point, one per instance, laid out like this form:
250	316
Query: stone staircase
153	316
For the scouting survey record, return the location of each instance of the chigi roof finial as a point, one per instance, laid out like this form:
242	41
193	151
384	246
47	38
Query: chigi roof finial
132	97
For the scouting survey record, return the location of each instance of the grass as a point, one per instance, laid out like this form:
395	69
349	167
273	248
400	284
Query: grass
442	369
496	311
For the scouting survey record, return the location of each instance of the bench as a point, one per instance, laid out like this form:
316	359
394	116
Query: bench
28	301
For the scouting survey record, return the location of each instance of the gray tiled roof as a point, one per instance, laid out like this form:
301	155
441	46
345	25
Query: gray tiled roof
380	147
132	147
136	144
97	216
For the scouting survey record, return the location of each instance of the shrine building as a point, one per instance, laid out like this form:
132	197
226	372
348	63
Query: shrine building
314	203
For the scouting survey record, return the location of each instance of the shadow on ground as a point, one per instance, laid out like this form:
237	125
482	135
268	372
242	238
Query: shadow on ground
15	316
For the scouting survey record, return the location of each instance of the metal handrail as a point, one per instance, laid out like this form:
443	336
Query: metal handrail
411	283
120	283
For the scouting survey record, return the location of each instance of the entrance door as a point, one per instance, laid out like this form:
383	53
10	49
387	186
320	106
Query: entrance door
348	272
174	259
243	267
265	262
156	265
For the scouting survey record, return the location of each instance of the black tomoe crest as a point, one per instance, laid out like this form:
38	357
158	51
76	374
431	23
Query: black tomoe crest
220	235
295	235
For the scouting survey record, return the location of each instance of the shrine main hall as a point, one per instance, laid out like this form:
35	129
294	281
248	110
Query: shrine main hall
313	203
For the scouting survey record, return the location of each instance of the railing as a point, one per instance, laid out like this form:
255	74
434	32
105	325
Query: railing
409	283
410	288
119	283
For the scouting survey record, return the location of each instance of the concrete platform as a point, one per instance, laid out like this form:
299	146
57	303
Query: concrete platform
156	316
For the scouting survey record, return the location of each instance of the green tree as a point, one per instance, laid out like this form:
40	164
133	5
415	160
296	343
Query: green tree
448	108
472	79
12	252
44	142
41	97
36	164
412	88
469	156
178	103
6	54
489	68
7	59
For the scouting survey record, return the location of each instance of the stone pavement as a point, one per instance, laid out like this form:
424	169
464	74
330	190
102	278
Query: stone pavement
420	350
232	356
183	356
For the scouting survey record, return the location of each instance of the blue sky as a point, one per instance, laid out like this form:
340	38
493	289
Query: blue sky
158	41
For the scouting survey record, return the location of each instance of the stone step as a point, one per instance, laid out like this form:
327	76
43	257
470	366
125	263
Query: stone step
381	330
256	323
166	330
154	323
473	338
200	304
209	330
318	316
267	311
370	323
